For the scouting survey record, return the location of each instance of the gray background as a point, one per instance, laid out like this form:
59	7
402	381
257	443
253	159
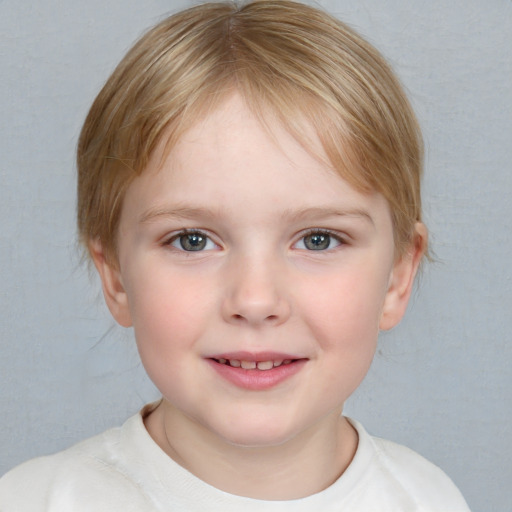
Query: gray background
441	382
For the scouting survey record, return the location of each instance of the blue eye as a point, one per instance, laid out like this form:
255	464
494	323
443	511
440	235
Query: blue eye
318	241
192	241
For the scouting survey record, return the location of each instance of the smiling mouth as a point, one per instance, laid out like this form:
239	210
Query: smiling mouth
256	372
254	365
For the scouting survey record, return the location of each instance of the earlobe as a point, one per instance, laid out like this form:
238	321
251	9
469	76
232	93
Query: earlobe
113	289
402	280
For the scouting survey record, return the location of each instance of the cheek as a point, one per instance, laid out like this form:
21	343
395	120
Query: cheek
345	307
168	315
344	321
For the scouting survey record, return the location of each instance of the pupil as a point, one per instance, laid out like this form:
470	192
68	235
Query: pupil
317	242
193	242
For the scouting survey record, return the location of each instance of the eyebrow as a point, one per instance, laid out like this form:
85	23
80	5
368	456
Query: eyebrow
311	213
318	212
178	212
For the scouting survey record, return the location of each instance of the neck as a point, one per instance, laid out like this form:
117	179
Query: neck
304	465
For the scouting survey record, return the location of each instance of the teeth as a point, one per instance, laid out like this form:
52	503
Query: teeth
252	365
265	365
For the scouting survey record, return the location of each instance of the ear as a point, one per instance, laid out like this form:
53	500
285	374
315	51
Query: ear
113	289
402	280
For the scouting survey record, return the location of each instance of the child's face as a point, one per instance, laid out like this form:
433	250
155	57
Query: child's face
243	247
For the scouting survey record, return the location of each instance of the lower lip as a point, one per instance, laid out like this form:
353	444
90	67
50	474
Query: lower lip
257	380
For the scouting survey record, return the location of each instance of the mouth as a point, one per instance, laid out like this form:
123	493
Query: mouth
254	365
257	372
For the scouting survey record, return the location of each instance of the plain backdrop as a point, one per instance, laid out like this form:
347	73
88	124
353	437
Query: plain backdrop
441	382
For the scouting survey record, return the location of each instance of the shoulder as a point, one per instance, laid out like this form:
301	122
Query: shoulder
88	476
424	485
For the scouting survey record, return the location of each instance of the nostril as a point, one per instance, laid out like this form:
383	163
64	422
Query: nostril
255	309
269	318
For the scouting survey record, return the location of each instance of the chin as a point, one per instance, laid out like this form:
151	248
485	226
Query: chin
261	433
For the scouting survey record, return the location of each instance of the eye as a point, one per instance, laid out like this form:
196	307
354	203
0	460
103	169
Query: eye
191	241
318	241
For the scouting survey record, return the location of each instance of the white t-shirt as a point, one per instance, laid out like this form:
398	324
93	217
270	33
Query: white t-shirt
124	470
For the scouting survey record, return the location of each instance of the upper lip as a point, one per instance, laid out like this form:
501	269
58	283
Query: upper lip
255	356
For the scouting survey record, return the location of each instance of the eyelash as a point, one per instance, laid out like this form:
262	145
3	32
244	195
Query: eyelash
318	231
184	232
309	233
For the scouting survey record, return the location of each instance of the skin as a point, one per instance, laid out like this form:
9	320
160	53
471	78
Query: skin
256	286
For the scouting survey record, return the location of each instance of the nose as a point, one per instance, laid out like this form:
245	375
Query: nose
255	293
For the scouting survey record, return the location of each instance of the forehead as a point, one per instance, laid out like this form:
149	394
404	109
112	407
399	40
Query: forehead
231	159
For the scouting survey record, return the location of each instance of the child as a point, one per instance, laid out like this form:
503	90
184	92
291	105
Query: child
249	192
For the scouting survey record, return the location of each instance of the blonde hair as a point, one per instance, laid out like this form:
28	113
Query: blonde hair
294	61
